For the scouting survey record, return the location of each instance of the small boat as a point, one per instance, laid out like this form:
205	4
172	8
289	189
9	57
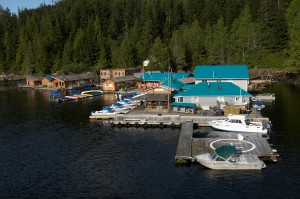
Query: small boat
91	93
229	158
54	94
106	111
239	123
258	105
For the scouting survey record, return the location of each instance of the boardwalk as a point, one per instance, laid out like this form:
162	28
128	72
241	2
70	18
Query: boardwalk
184	149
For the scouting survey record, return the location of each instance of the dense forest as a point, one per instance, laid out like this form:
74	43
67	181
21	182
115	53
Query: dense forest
87	35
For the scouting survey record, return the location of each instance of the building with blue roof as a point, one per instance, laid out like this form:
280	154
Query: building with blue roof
154	80
211	94
237	74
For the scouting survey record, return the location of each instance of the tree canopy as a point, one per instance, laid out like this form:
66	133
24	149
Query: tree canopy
88	35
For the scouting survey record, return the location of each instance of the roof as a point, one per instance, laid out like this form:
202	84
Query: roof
225	150
188	86
214	89
153	97
48	77
162	77
222	72
174	84
188	80
74	77
182	104
124	78
34	78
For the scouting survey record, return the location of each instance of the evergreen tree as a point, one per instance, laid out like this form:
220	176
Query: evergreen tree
159	56
177	49
293	17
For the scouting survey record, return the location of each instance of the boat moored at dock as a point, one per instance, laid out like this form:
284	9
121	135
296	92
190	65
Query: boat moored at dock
239	123
229	158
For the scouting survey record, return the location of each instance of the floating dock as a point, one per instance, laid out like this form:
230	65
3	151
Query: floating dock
189	147
159	120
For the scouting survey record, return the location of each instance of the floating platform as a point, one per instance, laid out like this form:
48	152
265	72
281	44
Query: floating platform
160	120
189	147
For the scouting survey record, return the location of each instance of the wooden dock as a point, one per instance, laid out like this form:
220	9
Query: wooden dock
161	120
189	147
184	148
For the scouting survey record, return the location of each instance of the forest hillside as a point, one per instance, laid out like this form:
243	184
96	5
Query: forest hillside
87	35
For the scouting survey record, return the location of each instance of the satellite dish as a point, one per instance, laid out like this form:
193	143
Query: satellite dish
146	62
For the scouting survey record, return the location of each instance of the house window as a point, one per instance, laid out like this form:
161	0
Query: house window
180	99
194	99
123	73
221	99
204	80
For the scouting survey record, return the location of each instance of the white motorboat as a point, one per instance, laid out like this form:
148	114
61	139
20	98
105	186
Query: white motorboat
239	123
106	111
228	158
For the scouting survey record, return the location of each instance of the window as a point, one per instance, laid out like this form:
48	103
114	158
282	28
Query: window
123	73
204	80
180	99
195	99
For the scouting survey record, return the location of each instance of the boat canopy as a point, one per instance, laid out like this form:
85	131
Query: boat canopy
224	151
107	109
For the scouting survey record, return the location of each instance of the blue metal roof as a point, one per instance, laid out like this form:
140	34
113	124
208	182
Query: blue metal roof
221	72
162	77
214	89
174	84
188	86
183	104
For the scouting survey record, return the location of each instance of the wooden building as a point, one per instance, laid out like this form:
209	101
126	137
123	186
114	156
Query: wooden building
106	74
117	83
33	80
69	81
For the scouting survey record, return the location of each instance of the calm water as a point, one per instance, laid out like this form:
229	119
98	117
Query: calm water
50	150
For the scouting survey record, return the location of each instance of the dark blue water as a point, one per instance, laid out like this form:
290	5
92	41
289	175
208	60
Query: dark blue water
51	150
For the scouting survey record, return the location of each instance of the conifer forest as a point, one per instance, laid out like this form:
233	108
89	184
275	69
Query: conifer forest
88	35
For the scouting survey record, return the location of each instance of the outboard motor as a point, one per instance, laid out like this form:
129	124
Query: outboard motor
267	125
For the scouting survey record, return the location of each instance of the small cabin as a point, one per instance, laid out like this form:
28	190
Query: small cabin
117	83
33	80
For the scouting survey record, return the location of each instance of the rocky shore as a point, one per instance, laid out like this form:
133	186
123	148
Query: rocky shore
11	79
275	74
